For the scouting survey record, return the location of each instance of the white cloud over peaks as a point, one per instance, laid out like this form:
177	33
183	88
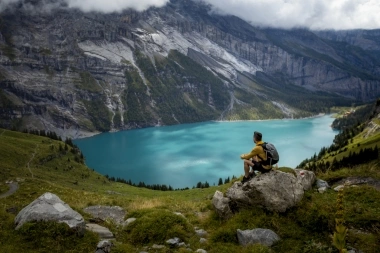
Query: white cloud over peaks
108	6
314	14
105	6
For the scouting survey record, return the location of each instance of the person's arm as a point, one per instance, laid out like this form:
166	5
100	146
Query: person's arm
253	153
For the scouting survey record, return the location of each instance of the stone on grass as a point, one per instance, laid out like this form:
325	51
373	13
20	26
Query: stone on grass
338	188
221	205
103	232
201	232
201	251
49	207
156	246
114	213
173	242
202	240
104	246
129	221
322	183
322	189
259	235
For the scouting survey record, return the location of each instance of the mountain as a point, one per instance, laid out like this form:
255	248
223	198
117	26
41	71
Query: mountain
72	72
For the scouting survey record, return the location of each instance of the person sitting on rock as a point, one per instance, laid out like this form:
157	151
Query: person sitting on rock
254	158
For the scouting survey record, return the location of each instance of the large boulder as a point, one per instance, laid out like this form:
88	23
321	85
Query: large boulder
275	191
48	207
259	235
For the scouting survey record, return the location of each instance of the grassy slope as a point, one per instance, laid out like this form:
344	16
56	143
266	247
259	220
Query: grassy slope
306	228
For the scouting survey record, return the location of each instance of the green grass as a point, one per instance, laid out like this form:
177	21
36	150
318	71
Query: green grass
305	228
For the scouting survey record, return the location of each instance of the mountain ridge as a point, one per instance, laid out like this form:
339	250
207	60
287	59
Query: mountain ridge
73	72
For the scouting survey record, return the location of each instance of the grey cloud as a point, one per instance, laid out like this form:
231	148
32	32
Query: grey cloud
105	6
313	14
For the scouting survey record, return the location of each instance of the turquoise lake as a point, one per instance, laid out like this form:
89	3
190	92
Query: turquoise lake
183	155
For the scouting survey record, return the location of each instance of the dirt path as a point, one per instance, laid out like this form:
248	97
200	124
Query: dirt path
33	155
13	187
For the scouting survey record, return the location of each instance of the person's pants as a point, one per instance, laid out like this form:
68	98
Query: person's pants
258	167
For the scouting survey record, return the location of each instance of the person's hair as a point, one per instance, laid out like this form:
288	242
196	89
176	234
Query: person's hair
258	136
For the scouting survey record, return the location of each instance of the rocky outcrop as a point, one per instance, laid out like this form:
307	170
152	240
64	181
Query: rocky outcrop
275	191
104	246
49	207
259	235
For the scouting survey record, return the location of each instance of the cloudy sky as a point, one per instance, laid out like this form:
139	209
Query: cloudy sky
314	14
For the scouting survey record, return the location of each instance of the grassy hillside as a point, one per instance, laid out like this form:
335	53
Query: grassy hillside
40	165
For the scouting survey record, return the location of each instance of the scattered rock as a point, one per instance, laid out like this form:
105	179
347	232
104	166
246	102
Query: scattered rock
259	235
129	221
48	207
201	251
182	244
114	213
104	246
180	214
353	250
322	189
201	232
202	240
321	183
338	188
103	232
275	191
156	246
173	242
221	205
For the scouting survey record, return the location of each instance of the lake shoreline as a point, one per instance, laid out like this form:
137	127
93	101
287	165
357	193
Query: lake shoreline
86	134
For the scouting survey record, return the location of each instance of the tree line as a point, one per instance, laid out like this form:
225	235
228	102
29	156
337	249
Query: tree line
163	187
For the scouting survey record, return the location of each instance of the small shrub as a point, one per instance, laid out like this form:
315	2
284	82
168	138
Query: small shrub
157	226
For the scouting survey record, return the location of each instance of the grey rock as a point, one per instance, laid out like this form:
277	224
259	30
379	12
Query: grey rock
275	191
201	232
306	178
180	214
48	207
114	213
103	232
156	246
321	183
182	244
221	205
259	235
202	240
104	246
201	251
322	189
129	221
338	188
174	241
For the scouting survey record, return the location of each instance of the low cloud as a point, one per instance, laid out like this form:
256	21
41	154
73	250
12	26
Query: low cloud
313	14
114	5
104	6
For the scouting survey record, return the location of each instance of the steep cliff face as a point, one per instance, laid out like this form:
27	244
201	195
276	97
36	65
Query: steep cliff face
74	72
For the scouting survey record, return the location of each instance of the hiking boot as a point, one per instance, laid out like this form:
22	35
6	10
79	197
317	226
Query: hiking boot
252	174
245	179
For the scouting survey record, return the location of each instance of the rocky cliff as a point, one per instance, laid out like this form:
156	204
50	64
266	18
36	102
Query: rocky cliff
74	72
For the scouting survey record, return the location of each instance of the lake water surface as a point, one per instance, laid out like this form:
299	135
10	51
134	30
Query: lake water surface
183	155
